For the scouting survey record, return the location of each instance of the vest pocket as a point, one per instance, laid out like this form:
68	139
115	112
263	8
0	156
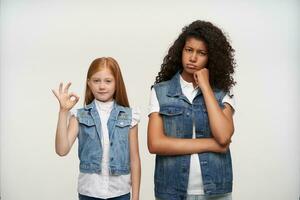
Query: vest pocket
123	123
87	126
122	129
170	110
173	120
86	121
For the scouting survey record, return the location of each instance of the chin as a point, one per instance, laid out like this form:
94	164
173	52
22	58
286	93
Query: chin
190	71
103	99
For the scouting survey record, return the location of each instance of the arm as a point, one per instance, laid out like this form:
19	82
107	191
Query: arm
65	133
135	163
159	143
220	121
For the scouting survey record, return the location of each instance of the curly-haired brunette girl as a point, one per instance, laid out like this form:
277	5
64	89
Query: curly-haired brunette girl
191	116
220	63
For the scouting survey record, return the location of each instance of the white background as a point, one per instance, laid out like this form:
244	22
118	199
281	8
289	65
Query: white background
45	42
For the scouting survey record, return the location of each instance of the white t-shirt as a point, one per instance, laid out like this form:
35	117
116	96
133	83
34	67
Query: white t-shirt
105	185
195	185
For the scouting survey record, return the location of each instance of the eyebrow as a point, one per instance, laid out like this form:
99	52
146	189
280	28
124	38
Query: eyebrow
191	47
202	50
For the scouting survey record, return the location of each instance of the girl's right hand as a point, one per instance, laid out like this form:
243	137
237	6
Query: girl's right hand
66	100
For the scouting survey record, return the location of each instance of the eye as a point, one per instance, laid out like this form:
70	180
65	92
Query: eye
108	81
188	50
202	53
96	80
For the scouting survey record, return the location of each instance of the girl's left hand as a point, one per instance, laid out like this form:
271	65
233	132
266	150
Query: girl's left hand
202	77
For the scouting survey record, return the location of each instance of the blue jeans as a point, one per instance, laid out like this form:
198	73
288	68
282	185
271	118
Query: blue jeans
123	197
214	197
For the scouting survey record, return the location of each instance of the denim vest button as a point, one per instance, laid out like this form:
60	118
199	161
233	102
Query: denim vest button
111	159
204	162
111	144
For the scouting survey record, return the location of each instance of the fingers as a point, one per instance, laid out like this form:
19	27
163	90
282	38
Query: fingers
54	92
63	90
67	87
60	87
75	97
196	77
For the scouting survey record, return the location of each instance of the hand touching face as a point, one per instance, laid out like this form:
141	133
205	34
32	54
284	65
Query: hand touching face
201	77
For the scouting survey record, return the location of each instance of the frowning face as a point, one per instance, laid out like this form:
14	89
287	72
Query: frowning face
194	56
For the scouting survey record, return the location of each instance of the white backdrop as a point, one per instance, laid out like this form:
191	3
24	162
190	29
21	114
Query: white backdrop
45	42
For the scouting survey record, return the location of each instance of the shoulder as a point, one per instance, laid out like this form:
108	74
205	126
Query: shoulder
162	84
123	110
162	87
82	112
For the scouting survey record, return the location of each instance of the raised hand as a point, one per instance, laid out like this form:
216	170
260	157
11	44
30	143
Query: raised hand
66	100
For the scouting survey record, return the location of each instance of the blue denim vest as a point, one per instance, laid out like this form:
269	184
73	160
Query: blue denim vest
172	172
89	139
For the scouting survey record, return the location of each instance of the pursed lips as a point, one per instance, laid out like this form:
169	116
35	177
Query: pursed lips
192	66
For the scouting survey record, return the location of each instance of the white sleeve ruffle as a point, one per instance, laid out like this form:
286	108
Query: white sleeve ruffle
73	112
230	99
136	117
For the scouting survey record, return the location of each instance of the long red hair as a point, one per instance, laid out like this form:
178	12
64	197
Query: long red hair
99	64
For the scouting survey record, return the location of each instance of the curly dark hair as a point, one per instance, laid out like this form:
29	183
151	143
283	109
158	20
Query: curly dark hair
220	63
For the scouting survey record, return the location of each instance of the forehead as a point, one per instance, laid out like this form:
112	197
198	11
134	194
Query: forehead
103	73
195	43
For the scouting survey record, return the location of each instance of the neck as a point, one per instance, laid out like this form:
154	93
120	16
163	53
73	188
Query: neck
110	100
188	78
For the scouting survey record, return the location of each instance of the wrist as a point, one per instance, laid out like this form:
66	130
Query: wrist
135	196
205	87
63	111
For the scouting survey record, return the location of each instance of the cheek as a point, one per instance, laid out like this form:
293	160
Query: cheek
203	61
184	57
184	60
113	88
92	87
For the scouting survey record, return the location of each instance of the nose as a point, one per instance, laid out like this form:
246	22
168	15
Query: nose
102	85
193	57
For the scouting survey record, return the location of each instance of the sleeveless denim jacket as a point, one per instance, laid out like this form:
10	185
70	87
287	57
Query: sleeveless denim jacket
89	139
179	115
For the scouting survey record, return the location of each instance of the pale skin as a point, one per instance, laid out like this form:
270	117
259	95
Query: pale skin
102	85
194	59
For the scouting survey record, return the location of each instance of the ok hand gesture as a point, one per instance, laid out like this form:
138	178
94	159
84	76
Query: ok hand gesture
66	100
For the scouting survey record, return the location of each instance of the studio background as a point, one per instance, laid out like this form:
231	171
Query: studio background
45	42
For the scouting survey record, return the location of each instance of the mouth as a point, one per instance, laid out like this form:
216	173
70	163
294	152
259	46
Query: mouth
191	66
101	93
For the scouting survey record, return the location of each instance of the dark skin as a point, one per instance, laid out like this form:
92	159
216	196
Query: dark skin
194	60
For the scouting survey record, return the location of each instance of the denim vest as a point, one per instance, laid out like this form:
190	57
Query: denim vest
89	139
178	114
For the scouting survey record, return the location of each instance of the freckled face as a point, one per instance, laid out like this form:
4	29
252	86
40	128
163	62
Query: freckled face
103	85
